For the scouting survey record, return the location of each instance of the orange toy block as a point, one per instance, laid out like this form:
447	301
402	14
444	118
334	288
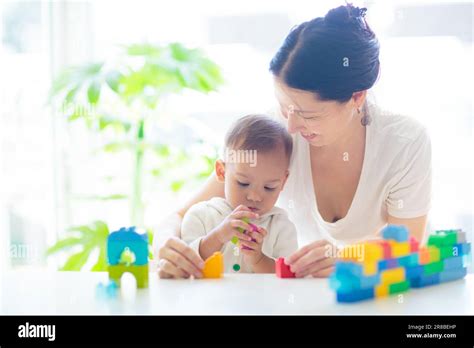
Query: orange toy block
424	256
214	266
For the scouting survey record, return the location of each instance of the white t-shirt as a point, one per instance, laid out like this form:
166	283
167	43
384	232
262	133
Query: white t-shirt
203	217
395	180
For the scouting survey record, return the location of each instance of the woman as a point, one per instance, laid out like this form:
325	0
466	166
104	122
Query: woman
354	168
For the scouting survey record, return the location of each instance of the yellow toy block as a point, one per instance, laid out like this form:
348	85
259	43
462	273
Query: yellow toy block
214	266
370	268
399	248
391	276
381	290
372	252
434	253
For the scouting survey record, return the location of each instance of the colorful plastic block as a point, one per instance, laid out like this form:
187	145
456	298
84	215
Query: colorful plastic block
453	263
391	276
139	272
387	249
399	248
434	267
414	245
381	290
409	260
347	282
452	274
434	253
424	256
388	264
424	280
443	239
370	268
397	233
396	288
351	267
414	272
127	251
214	266
398	263
137	243
282	270
357	295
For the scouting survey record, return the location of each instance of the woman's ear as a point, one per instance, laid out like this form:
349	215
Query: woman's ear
358	98
220	170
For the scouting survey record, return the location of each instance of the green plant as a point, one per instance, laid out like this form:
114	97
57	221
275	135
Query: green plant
121	96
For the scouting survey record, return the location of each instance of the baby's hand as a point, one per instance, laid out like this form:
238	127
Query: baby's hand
233	225
252	250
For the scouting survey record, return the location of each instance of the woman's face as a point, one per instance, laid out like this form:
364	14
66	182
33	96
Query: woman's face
319	122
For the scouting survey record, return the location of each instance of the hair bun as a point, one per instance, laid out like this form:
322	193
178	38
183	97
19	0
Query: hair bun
347	15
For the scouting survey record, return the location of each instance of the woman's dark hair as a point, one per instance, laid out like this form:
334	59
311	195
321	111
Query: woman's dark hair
332	56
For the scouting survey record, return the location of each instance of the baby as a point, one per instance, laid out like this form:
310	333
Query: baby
254	170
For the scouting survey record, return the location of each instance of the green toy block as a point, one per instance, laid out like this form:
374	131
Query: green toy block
441	240
399	287
449	251
139	272
432	268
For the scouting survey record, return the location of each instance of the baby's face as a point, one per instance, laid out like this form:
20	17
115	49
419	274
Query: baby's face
256	185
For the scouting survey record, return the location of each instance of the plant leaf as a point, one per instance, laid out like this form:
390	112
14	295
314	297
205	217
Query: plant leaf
65	243
77	261
93	92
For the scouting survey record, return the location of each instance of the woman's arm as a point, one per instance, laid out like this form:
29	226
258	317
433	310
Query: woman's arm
416	226
176	258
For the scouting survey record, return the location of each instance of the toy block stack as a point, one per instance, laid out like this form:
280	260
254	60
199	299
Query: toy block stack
397	263
127	251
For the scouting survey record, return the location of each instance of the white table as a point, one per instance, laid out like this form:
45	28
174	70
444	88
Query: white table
27	292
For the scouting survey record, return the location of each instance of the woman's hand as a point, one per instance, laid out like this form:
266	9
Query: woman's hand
315	259
178	260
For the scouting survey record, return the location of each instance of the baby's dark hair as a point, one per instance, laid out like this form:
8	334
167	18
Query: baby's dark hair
331	56
259	132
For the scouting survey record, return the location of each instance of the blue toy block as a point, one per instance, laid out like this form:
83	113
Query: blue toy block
424	280
455	262
413	272
348	267
466	248
346	282
357	295
388	264
124	238
108	290
409	260
398	233
452	274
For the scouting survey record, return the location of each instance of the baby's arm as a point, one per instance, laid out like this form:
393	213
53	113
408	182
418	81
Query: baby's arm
193	232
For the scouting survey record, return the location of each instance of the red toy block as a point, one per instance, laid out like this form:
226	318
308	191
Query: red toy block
282	270
387	249
414	245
